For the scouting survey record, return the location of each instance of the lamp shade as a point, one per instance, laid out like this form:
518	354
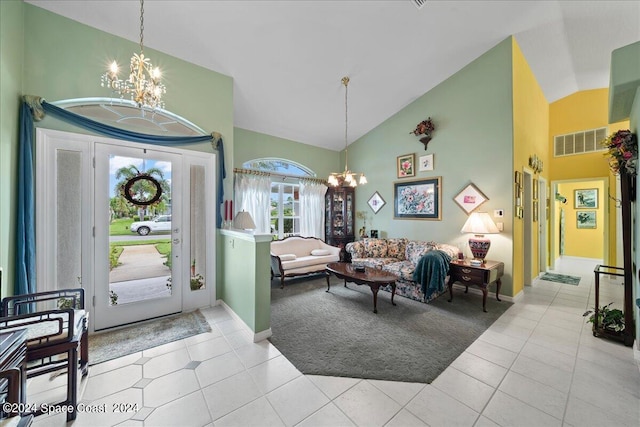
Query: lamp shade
243	221
479	223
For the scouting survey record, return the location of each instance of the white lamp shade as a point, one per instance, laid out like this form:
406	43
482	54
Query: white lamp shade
479	223
243	221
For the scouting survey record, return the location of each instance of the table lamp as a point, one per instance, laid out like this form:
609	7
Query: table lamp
479	223
243	221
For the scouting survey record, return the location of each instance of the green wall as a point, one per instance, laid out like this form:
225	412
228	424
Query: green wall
247	280
472	143
250	145
11	59
62	59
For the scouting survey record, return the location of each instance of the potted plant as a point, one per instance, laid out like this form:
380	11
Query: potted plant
609	320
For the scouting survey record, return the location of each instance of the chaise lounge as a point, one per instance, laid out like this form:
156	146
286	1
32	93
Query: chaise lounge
297	256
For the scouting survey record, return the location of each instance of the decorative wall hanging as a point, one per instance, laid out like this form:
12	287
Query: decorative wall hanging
142	190
406	165
586	198
535	163
622	149
518	210
425	127
425	163
419	199
376	202
470	198
586	219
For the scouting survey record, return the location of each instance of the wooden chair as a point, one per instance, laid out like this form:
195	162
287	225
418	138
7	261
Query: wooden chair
57	329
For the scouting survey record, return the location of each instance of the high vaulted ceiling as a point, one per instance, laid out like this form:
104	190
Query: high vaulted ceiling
287	57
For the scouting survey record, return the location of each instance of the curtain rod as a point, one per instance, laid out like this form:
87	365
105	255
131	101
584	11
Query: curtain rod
256	172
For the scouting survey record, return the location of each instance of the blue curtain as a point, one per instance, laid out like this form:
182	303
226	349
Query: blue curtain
25	233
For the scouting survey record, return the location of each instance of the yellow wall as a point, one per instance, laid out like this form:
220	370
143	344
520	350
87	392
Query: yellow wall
583	110
530	128
581	242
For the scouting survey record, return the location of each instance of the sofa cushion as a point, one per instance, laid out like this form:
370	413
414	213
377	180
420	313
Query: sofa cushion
415	250
375	248
320	252
356	249
396	248
450	250
402	269
308	260
287	257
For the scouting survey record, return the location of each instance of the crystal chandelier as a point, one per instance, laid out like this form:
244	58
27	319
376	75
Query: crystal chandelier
144	85
346	178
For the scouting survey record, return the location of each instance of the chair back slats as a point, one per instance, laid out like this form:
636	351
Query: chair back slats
49	300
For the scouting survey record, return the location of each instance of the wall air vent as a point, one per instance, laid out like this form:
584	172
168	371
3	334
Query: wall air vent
419	3
586	141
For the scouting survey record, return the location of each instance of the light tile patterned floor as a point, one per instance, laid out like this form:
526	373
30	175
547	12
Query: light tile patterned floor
537	365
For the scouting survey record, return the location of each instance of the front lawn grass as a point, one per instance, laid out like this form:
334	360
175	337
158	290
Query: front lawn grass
120	227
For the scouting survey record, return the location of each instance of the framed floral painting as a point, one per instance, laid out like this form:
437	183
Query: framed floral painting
419	199
406	165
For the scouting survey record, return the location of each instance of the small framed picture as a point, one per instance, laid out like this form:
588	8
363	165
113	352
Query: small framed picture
518	177
534	188
586	198
470	198
425	163
586	219
376	202
535	211
406	165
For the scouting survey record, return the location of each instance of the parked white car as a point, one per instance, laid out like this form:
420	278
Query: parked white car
159	223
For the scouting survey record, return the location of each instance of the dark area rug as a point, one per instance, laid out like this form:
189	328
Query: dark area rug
337	333
561	278
142	336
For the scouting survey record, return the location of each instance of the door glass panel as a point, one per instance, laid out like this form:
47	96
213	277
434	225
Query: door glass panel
139	233
68	219
198	228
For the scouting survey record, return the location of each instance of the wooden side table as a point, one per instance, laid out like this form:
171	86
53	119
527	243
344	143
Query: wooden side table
482	276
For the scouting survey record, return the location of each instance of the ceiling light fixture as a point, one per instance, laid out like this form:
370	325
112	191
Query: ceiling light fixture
346	178
144	85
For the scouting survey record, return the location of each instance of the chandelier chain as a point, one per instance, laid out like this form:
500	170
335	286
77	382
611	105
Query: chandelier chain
141	26
345	81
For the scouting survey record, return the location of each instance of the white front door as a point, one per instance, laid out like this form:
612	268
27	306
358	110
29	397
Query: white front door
84	226
142	278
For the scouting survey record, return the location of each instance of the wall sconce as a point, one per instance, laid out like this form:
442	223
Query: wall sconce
535	163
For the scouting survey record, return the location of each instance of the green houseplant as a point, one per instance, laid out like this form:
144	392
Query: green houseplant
609	319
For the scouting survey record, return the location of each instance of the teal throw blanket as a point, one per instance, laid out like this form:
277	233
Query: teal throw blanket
431	271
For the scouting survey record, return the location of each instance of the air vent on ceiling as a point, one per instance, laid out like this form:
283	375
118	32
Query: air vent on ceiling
579	142
419	3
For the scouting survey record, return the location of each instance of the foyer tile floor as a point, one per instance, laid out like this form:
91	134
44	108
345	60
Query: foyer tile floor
537	365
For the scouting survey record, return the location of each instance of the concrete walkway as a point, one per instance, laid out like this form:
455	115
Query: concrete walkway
139	262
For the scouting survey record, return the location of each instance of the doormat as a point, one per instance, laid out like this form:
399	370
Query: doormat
561	278
143	336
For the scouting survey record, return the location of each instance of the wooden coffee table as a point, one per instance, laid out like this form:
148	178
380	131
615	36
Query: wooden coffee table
372	277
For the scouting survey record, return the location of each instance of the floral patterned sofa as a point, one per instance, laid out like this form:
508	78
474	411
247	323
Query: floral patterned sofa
399	256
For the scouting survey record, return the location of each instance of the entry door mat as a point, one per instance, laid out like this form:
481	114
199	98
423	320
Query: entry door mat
561	278
145	335
337	333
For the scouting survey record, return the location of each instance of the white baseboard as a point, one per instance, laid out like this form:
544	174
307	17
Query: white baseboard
257	336
475	290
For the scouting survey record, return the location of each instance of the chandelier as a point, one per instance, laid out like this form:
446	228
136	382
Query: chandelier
346	178
144	85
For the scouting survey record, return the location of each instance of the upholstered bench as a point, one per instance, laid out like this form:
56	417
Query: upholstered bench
296	256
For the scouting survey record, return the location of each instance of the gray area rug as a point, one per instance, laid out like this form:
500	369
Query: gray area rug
337	333
142	336
561	278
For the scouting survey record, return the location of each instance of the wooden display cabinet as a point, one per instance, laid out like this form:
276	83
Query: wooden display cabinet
340	207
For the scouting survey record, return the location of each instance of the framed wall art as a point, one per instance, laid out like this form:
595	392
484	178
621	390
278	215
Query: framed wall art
406	165
586	219
418	199
535	211
470	198
425	163
586	198
376	202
